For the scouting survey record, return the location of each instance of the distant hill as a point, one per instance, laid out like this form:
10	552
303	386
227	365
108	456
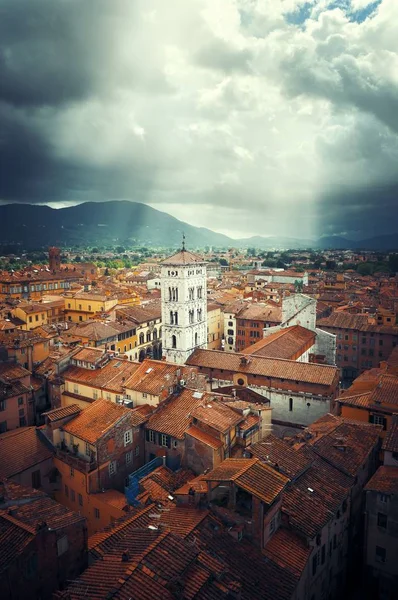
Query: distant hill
121	222
94	223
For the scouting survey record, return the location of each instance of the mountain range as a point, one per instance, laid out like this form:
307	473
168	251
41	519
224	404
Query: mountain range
123	222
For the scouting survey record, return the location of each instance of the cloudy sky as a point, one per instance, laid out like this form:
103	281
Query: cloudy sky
270	117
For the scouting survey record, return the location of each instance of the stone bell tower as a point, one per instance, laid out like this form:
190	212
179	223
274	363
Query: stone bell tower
184	304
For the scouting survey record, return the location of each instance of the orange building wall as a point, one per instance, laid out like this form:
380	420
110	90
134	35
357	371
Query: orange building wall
79	483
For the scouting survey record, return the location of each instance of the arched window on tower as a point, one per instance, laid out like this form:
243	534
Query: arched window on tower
170	295
171	318
191	315
199	314
173	341
175	318
200	292
176	294
196	339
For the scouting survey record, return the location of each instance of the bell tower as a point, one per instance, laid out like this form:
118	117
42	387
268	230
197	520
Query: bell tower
184	304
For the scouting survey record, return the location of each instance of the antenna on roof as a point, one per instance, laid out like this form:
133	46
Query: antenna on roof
183	242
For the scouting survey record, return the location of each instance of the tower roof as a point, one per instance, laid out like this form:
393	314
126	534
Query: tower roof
183	257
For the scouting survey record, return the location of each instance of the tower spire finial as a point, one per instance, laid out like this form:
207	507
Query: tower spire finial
183	242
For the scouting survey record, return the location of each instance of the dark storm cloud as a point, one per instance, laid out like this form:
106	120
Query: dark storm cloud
367	211
45	53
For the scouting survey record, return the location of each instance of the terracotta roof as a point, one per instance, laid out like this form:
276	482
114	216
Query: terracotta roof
113	498
384	392
229	469
141	314
385	481
205	438
12	371
89	354
101	416
251	475
348	446
173	417
360	400
289	551
183	257
112	376
261	312
283	344
14	538
22	449
32	507
198	484
156	376
217	415
344	320
268	367
280	455
93	330
63	411
161	483
391	440
262	481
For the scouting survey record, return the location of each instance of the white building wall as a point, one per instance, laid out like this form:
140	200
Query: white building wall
326	344
299	309
188	335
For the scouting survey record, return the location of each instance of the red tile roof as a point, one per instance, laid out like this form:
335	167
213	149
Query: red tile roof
268	367
155	376
251	475
217	415
281	456
285	343
62	412
205	438
110	377
22	449
101	416
289	551
344	320
173	417
385	481
391	440
14	538
183	257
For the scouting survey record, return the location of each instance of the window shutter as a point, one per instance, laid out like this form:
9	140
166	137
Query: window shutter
147	435
384	424
371	419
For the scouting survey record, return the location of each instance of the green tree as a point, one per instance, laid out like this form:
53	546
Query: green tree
365	268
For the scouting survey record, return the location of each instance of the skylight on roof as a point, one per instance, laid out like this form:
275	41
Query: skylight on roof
117	364
149	370
197	395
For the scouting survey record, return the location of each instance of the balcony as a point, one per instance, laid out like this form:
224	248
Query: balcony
85	466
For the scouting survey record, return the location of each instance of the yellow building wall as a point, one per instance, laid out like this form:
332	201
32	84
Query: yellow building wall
31	320
82	309
78	483
215	328
128	344
87	391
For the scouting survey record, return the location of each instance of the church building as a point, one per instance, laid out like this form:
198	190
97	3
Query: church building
184	305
